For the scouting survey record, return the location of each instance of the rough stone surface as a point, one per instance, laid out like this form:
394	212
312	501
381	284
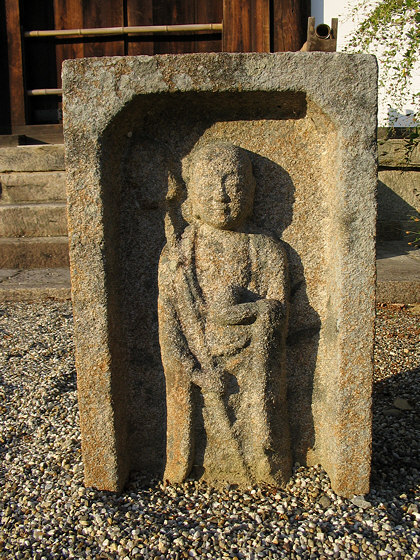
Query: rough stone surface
308	121
47	513
48	157
32	187
398	261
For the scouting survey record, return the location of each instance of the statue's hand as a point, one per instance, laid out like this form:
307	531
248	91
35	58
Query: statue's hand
209	380
237	314
272	309
247	313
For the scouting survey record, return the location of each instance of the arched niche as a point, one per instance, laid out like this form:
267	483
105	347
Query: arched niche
293	148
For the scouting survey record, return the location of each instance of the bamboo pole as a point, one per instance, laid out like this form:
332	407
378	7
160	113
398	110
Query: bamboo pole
50	91
132	30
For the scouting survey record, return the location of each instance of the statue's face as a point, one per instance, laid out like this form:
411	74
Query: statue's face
221	189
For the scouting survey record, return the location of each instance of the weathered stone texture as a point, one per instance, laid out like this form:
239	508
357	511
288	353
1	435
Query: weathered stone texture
34	285
308	121
398	291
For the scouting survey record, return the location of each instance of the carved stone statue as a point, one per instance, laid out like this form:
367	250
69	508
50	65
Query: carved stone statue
223	313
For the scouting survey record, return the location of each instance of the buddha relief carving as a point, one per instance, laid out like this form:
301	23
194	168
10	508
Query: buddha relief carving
223	319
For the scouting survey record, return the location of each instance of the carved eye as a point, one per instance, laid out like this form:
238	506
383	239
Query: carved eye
232	180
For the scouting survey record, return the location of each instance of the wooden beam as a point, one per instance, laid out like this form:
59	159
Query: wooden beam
246	25
103	13
5	127
16	78
174	12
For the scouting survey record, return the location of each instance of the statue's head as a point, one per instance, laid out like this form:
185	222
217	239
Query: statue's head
220	185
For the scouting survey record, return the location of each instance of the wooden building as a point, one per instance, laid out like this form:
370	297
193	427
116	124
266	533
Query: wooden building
37	35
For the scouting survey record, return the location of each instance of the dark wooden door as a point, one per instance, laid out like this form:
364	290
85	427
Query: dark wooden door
35	62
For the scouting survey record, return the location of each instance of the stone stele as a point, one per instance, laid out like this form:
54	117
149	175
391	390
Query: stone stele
221	213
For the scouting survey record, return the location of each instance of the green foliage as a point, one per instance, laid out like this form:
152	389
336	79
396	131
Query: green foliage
411	141
415	241
391	30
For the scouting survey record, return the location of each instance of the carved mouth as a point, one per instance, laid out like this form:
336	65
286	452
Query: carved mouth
222	211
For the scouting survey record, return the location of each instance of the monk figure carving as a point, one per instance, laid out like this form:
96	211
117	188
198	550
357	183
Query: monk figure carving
223	314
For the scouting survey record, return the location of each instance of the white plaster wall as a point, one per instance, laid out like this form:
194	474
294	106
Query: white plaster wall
323	11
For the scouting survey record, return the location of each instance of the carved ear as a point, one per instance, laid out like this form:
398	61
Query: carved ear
175	188
253	179
174	219
187	210
171	234
186	168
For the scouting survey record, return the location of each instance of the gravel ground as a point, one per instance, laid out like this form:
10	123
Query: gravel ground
47	513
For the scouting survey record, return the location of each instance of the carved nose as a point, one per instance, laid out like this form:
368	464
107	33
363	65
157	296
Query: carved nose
220	194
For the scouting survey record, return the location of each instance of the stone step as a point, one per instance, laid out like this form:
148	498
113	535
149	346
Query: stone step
398	291
34	252
39	186
33	220
395	153
398	273
41	157
34	285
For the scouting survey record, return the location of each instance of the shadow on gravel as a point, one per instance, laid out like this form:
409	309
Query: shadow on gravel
395	438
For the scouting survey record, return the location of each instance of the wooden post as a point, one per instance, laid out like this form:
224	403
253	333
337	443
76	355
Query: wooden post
16	78
322	37
290	19
246	25
4	71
